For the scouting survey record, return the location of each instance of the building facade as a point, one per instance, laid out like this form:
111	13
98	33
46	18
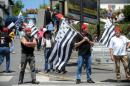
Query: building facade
113	4
6	7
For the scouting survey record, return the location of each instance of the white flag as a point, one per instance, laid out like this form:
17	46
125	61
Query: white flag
11	25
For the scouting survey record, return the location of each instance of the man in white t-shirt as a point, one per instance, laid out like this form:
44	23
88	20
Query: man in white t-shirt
118	46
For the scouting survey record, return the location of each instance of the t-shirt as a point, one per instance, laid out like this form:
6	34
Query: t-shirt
84	48
118	44
25	49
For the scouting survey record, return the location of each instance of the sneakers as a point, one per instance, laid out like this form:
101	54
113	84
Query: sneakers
46	71
20	82
13	52
78	81
7	71
63	72
35	82
90	81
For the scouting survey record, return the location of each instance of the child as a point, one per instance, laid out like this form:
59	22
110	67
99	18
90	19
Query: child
47	44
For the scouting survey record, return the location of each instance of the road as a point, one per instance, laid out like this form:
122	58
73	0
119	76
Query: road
102	74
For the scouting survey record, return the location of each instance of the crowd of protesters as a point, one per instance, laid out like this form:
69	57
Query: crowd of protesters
44	39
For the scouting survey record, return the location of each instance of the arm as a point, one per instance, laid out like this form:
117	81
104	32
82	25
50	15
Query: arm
82	41
79	43
29	44
43	43
111	54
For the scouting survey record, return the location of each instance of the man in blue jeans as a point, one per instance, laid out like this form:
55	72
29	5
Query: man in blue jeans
4	48
84	55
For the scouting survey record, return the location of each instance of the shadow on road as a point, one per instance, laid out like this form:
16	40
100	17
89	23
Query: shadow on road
112	80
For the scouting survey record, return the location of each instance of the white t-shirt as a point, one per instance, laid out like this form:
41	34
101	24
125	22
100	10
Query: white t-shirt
118	44
48	43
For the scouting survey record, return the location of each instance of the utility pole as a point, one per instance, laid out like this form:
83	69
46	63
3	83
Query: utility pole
98	19
51	4
81	15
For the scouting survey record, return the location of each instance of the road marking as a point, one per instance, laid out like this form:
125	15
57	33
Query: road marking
5	78
42	78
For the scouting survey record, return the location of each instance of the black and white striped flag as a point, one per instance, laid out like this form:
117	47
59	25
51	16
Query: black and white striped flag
108	33
33	27
18	23
63	47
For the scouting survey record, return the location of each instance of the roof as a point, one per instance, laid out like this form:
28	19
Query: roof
115	1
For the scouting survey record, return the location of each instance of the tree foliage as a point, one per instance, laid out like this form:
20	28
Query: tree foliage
43	6
126	12
18	5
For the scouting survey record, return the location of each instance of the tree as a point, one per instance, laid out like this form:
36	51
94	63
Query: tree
126	12
43	6
18	5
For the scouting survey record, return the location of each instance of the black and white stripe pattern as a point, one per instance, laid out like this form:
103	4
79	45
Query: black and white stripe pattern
34	30
108	33
18	23
63	47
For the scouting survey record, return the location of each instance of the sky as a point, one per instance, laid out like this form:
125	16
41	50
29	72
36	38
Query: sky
33	3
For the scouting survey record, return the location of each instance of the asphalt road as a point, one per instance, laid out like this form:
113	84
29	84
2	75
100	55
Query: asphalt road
102	74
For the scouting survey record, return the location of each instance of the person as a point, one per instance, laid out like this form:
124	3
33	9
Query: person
39	38
12	35
47	43
117	47
128	49
84	45
121	17
28	43
5	41
48	16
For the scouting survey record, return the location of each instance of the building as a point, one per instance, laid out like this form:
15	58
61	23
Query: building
6	7
113	4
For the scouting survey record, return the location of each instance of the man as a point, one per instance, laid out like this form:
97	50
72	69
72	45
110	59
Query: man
118	45
84	54
5	40
28	44
48	16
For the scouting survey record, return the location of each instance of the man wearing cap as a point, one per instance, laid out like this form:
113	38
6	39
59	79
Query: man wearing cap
28	43
84	45
118	45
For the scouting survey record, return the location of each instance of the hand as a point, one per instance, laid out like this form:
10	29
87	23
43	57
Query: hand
86	38
112	58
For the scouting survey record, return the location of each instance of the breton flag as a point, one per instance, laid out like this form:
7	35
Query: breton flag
17	23
33	27
63	47
108	33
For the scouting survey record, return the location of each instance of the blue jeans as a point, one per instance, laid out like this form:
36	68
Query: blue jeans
84	59
12	46
47	65
5	52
